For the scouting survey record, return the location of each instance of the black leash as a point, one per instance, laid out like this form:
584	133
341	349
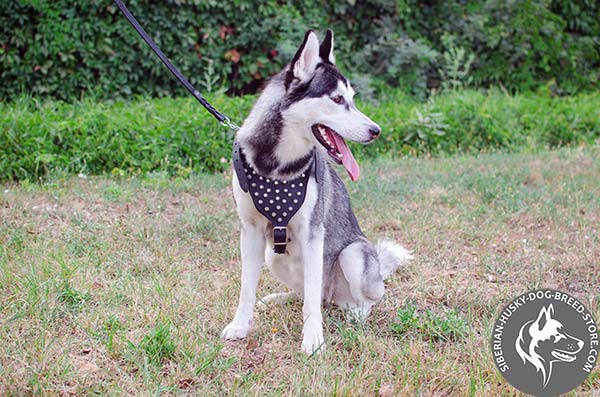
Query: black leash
188	86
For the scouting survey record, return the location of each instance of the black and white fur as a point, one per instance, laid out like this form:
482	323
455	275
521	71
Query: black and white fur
328	258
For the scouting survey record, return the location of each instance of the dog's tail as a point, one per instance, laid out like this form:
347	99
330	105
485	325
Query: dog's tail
391	256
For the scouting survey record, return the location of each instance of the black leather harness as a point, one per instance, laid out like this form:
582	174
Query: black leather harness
278	200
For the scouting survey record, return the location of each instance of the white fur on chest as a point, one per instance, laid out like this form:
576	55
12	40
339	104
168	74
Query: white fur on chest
288	267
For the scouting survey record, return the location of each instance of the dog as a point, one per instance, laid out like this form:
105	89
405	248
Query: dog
543	342
302	118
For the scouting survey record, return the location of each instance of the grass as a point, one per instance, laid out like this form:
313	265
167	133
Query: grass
40	138
121	285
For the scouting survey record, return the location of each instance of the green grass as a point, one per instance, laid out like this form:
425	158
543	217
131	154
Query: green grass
177	136
158	345
122	285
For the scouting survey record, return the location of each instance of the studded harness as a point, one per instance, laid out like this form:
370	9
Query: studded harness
278	200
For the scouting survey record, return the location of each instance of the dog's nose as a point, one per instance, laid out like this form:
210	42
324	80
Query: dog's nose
374	131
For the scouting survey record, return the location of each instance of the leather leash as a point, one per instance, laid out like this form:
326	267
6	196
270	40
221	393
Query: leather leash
224	120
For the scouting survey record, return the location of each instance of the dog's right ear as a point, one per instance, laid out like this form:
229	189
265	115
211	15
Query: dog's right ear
306	59
544	316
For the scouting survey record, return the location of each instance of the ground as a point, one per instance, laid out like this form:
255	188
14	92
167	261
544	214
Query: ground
118	286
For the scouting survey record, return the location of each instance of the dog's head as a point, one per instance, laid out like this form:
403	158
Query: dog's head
319	102
543	342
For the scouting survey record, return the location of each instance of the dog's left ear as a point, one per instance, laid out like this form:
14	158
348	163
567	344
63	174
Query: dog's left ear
326	49
306	59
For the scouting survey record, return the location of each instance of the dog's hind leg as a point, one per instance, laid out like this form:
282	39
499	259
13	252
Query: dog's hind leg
362	284
253	255
279	298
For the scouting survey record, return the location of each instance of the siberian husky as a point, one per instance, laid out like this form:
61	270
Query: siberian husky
297	128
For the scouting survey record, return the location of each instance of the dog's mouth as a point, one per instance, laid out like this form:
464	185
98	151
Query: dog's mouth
563	356
337	149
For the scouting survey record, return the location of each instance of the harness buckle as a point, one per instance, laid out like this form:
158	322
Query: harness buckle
279	239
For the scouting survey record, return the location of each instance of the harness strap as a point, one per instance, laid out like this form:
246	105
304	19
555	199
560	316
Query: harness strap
278	200
238	166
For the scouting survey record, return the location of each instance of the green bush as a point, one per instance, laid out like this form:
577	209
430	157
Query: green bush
520	43
67	49
38	138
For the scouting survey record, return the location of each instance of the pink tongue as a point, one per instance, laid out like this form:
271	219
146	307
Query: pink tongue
347	158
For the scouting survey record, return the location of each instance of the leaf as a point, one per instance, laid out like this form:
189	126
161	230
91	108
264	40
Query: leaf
233	55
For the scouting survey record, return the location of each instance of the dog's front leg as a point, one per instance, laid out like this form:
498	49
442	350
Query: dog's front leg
252	245
312	255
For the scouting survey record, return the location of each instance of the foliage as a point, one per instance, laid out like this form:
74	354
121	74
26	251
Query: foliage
67	49
38	138
455	69
520	43
401	60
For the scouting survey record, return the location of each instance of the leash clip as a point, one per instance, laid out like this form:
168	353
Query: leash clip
227	123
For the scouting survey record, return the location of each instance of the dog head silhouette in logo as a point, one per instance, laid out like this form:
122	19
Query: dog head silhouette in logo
543	342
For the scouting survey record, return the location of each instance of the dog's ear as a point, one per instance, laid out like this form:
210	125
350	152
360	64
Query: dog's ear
306	59
544	316
326	49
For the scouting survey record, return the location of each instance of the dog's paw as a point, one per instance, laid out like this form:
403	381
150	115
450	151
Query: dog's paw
234	331
312	340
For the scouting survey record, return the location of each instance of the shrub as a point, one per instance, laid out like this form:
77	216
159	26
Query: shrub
67	49
177	136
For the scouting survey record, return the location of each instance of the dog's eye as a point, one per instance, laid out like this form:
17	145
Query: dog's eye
338	99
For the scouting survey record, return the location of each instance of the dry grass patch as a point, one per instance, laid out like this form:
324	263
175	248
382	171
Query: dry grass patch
121	286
